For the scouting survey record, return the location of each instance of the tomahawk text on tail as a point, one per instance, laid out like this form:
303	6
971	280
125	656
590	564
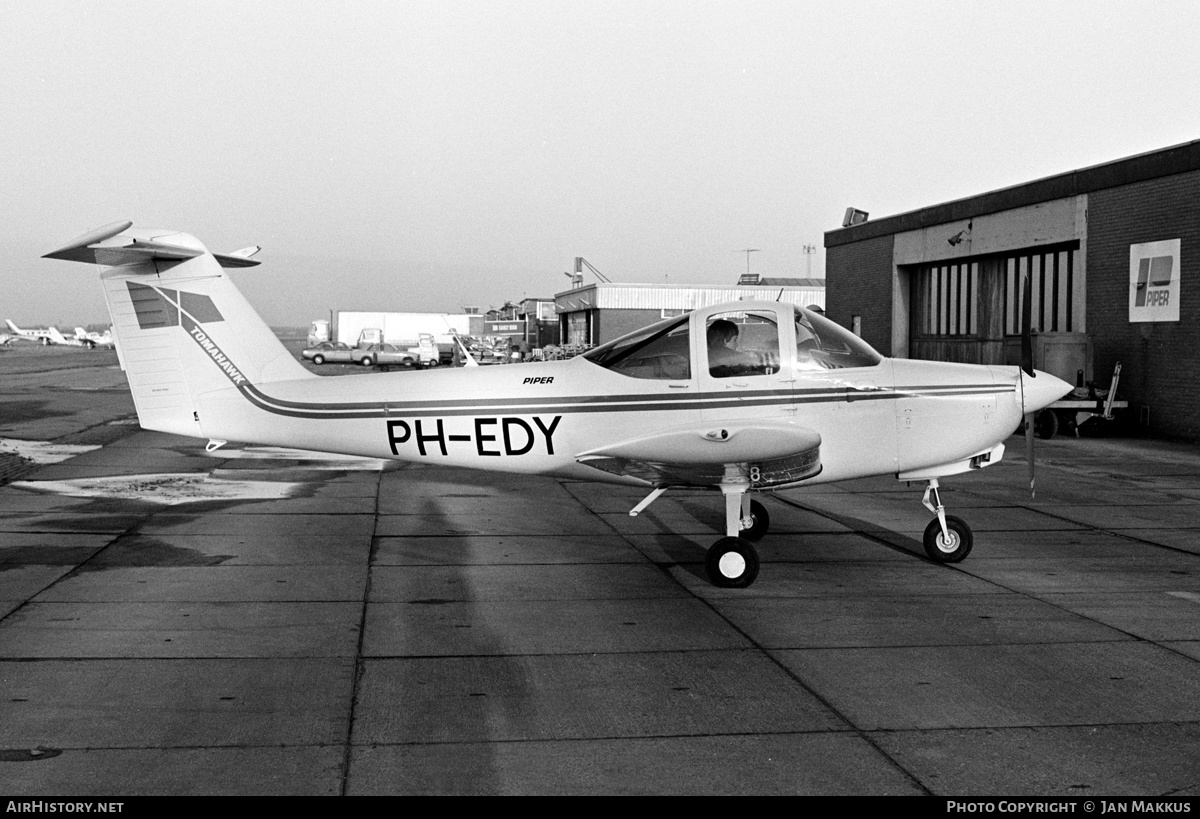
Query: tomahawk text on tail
740	398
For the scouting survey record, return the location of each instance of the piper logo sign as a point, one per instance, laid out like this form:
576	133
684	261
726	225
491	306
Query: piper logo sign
1154	281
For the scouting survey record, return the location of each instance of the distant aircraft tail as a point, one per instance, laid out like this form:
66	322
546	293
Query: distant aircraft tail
55	336
181	327
13	327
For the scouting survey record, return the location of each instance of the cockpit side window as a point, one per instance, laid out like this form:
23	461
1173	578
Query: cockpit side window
741	343
661	351
823	345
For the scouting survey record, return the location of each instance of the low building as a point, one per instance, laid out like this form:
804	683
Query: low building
533	320
1111	252
599	312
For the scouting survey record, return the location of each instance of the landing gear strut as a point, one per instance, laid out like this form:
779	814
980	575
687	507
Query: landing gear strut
947	539
731	562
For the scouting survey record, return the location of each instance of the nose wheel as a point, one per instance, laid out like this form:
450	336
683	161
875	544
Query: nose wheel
947	539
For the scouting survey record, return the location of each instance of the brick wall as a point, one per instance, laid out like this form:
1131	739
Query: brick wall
858	281
1160	361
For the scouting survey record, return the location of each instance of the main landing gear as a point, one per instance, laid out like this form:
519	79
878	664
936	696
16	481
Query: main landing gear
947	539
731	562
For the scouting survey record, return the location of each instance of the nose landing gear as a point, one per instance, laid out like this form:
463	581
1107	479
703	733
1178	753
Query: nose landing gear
948	539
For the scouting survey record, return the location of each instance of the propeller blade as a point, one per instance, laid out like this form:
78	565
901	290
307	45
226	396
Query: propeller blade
1029	454
1027	326
1027	367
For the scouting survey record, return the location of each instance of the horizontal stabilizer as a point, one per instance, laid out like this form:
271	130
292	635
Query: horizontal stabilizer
78	250
106	246
100	247
239	258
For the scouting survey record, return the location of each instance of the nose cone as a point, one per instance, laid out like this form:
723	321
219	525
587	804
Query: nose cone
1041	391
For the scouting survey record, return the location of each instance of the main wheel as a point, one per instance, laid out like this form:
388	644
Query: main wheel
732	563
366	361
1045	424
757	524
948	551
318	359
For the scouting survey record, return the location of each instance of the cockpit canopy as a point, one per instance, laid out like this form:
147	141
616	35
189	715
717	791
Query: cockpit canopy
735	341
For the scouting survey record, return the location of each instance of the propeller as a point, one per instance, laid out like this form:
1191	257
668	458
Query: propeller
1027	368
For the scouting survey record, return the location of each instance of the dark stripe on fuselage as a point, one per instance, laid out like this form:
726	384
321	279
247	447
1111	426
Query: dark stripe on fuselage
562	406
642	402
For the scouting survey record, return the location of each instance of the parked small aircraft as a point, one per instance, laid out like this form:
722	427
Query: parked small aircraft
42	335
740	398
57	337
93	339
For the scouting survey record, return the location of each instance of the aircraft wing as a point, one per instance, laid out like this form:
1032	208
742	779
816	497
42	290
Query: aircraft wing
767	455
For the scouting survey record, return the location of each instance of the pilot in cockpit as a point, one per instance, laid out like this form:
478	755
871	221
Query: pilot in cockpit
725	360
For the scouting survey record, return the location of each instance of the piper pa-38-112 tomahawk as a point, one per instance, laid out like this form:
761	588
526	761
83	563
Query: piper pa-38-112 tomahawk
740	398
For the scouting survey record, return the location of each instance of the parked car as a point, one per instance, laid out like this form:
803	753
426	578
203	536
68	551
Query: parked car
389	355
335	352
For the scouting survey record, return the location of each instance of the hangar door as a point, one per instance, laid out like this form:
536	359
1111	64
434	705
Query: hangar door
969	310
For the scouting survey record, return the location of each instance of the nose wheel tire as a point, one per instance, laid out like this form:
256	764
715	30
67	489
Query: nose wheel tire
757	524
952	550
732	563
1045	424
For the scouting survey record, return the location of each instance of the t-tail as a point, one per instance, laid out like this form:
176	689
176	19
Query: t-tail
175	313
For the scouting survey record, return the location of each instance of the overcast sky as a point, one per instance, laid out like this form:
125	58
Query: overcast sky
428	155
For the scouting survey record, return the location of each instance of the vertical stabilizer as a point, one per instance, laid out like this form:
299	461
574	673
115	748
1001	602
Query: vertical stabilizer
181	327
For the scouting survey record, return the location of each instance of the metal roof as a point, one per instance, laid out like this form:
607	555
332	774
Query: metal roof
617	296
1152	165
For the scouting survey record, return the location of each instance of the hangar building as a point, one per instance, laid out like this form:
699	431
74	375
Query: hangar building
1113	255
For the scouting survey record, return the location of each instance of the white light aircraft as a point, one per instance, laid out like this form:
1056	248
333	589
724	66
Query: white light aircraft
57	337
93	340
42	335
740	398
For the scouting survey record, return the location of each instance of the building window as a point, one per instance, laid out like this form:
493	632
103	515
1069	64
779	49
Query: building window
947	299
1056	286
959	299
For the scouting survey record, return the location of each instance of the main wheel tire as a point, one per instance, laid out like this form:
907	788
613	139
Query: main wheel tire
1045	424
732	563
366	361
948	551
318	359
754	527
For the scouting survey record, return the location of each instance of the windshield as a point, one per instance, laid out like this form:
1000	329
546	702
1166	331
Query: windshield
823	345
659	351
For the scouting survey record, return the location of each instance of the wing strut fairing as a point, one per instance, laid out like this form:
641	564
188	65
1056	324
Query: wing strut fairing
764	455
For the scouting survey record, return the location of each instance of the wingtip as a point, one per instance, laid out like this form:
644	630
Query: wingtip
90	238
